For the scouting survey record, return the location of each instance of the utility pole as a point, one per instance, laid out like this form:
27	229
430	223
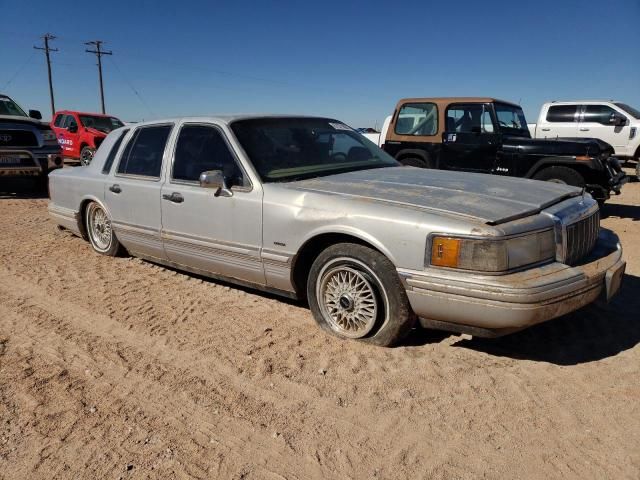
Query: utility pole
48	49
98	52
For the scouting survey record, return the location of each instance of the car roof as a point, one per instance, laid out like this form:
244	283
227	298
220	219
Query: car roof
225	119
447	100
85	113
574	102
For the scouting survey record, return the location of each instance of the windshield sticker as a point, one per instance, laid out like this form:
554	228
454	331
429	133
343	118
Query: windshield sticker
340	126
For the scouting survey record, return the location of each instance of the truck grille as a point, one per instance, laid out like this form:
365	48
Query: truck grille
17	138
581	238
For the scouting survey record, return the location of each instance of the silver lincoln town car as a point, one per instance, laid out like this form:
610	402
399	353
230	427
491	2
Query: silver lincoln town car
308	208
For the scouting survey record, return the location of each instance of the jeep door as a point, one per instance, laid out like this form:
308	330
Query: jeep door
208	229
595	122
132	191
470	141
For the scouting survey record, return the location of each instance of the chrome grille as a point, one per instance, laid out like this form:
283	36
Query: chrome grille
581	237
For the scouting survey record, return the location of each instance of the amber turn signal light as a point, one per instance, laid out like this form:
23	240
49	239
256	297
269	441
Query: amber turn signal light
445	251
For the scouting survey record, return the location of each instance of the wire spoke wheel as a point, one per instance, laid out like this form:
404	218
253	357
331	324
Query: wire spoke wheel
349	300
99	228
86	156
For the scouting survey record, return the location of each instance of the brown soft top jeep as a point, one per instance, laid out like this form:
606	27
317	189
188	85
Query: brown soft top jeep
487	135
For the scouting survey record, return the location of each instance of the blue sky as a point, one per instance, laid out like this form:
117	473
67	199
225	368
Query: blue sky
349	60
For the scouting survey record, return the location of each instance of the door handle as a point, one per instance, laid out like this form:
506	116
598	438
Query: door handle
545	129
174	197
115	188
584	129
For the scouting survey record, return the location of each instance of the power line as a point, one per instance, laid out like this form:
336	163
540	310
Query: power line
48	49
18	71
132	87
99	53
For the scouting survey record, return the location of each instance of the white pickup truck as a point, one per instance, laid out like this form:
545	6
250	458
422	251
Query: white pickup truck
613	122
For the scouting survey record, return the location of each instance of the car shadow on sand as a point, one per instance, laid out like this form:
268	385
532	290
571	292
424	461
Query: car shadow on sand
21	188
589	334
617	210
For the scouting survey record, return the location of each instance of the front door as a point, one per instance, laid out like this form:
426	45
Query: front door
132	193
470	141
595	123
207	230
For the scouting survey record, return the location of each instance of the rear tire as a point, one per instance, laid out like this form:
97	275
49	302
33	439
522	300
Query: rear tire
355	293
101	235
415	162
557	174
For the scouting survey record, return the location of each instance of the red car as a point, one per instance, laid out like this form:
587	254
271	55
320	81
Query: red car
80	134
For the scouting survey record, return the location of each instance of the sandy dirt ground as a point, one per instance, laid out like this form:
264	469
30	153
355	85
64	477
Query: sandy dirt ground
117	368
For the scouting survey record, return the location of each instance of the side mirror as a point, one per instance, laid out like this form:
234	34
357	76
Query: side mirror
73	128
214	179
617	120
35	114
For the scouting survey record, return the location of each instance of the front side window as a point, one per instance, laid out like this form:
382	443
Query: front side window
9	107
104	124
511	119
202	148
417	119
562	114
634	112
59	119
598	114
471	118
112	153
143	154
290	148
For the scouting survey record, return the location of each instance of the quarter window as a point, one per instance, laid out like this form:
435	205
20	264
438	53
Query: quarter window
417	119
562	114
143	154
598	114
203	148
112	153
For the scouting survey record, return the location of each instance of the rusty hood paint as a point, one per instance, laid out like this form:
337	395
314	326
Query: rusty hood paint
490	199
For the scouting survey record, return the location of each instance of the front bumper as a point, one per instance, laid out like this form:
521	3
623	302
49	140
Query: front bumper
501	304
34	162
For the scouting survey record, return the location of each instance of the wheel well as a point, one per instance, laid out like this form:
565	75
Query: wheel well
637	154
581	169
81	226
310	251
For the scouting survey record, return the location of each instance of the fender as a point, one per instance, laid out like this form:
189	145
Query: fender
561	161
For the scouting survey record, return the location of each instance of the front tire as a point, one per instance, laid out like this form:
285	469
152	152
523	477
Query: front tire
86	155
354	292
100	232
558	174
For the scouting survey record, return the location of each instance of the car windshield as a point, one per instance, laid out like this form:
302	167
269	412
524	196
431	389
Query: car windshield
511	119
630	110
104	124
9	107
288	149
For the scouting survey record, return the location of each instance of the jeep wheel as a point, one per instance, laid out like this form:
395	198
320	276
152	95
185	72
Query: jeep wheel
415	162
354	292
565	175
86	155
99	231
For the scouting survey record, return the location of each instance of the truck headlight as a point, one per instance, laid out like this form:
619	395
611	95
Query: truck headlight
492	255
49	137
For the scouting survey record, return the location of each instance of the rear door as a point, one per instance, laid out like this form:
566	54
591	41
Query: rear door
595	123
561	121
132	192
200	229
470	141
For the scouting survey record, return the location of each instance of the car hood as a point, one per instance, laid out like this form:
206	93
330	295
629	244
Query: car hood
561	146
490	199
15	119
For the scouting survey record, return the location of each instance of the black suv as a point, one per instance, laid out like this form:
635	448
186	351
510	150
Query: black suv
28	146
486	135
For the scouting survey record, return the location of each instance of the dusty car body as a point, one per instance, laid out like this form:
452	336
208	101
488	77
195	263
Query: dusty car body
305	207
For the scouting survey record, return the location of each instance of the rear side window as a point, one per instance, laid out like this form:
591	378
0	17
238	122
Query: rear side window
598	114
417	119
562	113
143	154
112	153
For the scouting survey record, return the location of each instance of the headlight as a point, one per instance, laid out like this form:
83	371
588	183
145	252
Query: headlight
492	255
49	137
